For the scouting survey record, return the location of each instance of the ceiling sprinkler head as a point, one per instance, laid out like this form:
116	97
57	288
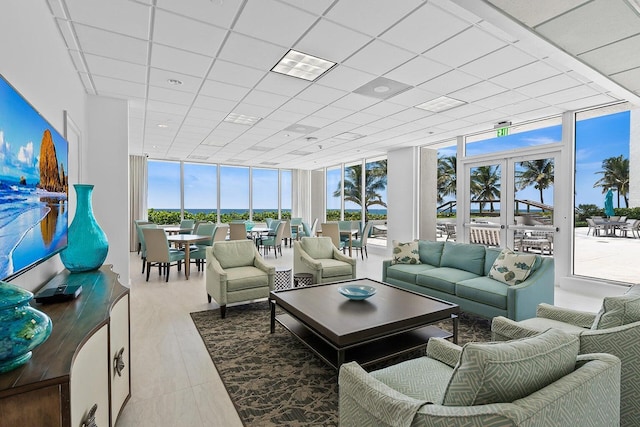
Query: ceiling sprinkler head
320	146
311	139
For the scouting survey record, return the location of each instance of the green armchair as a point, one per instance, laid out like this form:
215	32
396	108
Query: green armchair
319	256
236	272
539	381
615	329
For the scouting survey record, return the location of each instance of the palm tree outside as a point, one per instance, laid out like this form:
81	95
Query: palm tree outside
375	182
447	177
539	173
615	175
485	186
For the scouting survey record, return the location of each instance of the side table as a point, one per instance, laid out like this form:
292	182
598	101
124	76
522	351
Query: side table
283	278
302	279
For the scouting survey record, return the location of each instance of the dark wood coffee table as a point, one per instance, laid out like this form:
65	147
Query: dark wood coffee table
338	330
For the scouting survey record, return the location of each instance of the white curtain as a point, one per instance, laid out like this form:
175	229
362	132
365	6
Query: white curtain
301	203
138	195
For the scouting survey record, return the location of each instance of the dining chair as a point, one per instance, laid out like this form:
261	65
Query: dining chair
361	243
143	245
344	226
198	251
237	231
330	229
187	223
159	253
287	232
275	241
138	223
220	234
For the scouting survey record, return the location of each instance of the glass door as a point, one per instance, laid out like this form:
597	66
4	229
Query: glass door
483	222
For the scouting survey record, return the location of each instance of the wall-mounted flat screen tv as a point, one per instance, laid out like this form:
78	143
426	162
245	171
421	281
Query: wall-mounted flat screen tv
33	185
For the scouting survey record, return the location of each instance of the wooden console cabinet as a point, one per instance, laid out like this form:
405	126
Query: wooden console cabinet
85	361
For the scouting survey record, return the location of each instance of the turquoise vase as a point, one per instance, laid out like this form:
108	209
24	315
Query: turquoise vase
87	244
22	327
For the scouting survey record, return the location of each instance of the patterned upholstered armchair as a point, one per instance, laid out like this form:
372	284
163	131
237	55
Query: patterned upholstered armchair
612	330
538	381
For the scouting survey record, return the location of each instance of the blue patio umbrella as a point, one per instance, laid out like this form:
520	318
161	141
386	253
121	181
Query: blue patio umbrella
608	204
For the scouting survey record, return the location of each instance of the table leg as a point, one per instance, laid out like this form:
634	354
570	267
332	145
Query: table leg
350	243
272	303
340	358
187	261
455	328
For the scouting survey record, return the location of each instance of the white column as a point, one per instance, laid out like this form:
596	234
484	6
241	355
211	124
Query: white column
634	159
428	193
403	173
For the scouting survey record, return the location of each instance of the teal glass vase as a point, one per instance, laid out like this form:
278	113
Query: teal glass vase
87	244
22	327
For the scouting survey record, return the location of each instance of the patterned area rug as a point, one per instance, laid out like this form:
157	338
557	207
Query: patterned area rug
273	379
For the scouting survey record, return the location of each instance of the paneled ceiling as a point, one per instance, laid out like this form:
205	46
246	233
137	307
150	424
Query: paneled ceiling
507	60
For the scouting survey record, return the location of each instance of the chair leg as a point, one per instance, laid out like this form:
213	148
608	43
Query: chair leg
365	252
208	298
362	252
168	268
148	269
144	262
223	311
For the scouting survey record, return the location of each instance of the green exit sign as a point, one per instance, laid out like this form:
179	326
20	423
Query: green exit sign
503	131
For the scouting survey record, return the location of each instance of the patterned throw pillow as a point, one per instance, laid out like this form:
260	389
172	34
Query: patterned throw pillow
620	310
498	372
512	268
405	253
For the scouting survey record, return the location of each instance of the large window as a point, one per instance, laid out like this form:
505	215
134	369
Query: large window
234	193
265	193
286	191
334	201
200	191
376	190
163	191
352	192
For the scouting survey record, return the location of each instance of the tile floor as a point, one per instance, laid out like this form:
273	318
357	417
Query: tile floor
174	382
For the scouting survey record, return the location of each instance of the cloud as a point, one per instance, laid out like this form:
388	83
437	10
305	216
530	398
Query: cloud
25	155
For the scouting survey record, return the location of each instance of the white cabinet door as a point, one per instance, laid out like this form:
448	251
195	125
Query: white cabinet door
120	350
89	380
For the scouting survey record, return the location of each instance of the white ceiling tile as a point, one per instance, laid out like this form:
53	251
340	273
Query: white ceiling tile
252	109
251	52
111	45
265	99
608	21
287	116
158	77
231	73
187	34
216	104
413	97
424	29
301	106
223	90
498	62
361	118
120	16
629	79
345	78
534	13
313	6
316	121
417	71
334	113
449	82
281	84
465	47
286	23
505	98
119	87
66	29
410	115
355	102
525	75
221	13
522	107
370	16
378	57
165	107
101	66
486	116
552	84
168	95
462	111
567	95
169	58
477	91
331	41
321	94
206	114
384	108
601	58
579	104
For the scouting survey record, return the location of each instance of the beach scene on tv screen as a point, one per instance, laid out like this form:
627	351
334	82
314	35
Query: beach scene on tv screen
33	185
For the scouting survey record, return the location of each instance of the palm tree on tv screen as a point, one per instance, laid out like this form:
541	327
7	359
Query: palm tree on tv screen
615	175
538	173
375	181
485	185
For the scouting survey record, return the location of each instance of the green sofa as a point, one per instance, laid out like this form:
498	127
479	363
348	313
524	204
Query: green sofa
457	272
539	381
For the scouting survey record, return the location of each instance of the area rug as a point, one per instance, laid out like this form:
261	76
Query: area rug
273	379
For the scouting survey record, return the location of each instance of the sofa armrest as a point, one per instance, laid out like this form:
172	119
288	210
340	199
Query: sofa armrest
583	319
523	298
444	351
503	329
385	264
366	401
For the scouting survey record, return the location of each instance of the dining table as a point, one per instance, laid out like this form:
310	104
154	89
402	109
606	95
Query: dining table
177	230
185	240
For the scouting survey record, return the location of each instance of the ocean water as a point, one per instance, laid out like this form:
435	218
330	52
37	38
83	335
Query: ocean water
33	225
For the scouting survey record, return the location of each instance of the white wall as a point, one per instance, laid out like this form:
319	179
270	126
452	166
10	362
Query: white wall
106	166
35	61
402	194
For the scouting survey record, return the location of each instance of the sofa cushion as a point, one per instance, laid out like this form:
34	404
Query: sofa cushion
430	252
248	277
484	291
619	310
317	247
407	272
402	377
405	253
463	256
490	256
497	372
443	279
234	253
332	267
511	268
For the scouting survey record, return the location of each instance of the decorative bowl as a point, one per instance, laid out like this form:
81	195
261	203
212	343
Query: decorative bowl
357	292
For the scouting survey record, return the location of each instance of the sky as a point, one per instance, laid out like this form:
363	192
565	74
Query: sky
21	130
596	139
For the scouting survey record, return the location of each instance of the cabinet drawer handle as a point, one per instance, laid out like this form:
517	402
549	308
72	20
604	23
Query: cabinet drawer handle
90	420
118	363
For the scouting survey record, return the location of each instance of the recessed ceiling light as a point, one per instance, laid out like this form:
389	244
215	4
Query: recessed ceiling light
303	66
163	125
242	119
381	89
348	136
174	82
440	104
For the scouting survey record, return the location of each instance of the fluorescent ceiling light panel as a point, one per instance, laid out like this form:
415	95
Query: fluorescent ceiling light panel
242	119
349	136
302	66
440	104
